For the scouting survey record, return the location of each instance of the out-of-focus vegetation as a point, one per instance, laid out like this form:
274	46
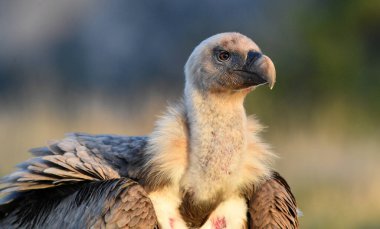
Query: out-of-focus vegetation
110	67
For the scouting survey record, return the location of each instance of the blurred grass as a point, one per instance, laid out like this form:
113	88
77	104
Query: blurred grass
332	169
334	176
329	153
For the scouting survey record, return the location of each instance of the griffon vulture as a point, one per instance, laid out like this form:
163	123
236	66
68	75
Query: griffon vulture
203	166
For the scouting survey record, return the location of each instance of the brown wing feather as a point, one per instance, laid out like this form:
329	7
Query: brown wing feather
129	208
72	186
273	205
63	162
115	203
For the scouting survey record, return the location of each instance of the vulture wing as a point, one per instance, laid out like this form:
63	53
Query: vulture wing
78	182
88	181
273	205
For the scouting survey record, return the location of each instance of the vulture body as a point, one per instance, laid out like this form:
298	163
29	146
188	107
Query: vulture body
203	166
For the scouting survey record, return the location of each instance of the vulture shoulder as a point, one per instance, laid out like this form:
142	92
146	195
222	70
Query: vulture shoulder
79	182
272	205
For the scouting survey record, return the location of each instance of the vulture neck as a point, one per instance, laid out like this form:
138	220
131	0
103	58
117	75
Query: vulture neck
217	127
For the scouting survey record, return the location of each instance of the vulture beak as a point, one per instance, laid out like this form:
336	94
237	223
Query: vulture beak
258	70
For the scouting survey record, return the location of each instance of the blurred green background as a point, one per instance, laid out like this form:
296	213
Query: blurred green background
111	66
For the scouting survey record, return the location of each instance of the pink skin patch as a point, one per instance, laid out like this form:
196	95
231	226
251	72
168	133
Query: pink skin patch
219	223
171	222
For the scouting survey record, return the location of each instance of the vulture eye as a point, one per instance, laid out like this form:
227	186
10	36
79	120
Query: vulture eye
224	56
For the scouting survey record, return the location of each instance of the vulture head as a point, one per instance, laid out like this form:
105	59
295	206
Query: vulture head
228	63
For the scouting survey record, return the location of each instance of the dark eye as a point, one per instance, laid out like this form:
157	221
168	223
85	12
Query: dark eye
224	55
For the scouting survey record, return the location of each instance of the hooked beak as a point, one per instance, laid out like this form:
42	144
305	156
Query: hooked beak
258	70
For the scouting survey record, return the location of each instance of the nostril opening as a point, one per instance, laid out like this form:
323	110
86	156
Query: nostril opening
252	56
